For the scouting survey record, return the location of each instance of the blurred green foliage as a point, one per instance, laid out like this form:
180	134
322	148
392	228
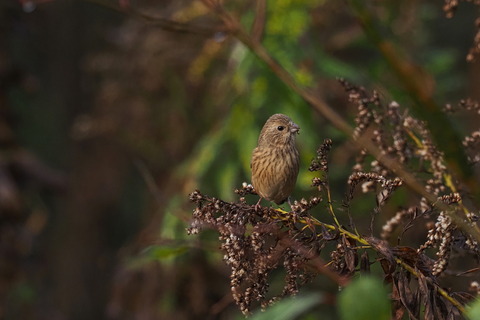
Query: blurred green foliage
289	308
473	311
364	299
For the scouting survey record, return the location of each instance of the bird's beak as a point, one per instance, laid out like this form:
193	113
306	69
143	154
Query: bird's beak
295	128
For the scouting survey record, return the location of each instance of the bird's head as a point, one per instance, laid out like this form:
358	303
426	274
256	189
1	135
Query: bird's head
279	130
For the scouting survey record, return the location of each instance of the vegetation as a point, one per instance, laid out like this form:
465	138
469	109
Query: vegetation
114	111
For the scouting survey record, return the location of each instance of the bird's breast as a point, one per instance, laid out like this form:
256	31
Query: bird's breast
274	172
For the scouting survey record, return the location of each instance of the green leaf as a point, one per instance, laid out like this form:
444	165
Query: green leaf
364	299
289	308
473	310
164	252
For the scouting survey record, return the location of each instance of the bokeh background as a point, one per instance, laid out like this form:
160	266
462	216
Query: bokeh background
111	114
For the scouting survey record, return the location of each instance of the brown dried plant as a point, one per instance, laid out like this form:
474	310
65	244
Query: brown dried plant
257	242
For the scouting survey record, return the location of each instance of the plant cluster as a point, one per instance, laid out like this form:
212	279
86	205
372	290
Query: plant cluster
257	242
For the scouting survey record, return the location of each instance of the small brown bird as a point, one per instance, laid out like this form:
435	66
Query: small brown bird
275	161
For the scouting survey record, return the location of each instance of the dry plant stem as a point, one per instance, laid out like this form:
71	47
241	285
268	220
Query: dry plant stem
447	178
285	217
236	30
366	244
330	207
359	239
315	260
258	25
442	292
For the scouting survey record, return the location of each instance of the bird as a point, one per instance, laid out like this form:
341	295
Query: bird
275	160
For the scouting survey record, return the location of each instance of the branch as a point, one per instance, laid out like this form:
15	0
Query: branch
160	22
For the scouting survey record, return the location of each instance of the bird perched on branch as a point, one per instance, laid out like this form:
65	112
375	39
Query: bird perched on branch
275	160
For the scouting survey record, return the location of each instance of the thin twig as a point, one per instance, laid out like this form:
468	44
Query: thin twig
258	25
161	22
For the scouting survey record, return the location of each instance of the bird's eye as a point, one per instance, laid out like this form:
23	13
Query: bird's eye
280	128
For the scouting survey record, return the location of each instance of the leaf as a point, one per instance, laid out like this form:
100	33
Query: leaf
365	262
350	255
164	252
407	297
473	310
364	299
289	308
382	247
156	253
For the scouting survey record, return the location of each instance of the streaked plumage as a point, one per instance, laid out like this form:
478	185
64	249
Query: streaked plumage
275	161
